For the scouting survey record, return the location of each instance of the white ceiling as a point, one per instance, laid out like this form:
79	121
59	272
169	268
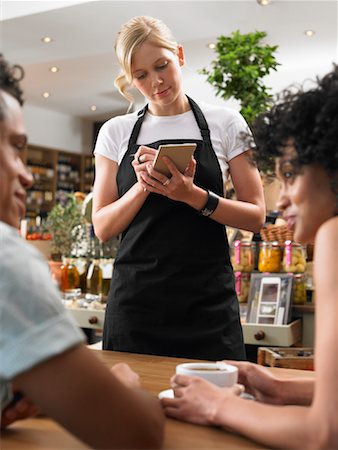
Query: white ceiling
84	32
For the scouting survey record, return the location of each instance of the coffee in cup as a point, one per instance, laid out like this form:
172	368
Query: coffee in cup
221	374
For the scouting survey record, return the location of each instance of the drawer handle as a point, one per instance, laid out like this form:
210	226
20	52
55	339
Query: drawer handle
93	320
259	335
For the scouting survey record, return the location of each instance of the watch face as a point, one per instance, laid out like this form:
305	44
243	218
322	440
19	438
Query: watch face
206	212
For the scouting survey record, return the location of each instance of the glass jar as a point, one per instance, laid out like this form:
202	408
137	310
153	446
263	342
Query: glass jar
299	289
270	257
242	256
242	283
70	278
294	259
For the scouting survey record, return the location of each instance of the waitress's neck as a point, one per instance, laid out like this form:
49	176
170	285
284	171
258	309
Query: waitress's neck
179	106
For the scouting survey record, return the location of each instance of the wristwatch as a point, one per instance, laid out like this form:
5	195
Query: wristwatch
210	205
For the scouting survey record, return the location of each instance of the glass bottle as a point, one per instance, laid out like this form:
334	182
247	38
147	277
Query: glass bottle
107	265
94	274
82	267
70	278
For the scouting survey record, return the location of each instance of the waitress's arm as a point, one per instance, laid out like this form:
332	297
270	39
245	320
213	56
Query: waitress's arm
248	211
111	214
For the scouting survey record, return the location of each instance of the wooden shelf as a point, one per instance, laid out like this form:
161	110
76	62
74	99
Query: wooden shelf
56	173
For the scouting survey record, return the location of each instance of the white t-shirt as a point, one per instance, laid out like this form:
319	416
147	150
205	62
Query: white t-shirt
34	325
225	127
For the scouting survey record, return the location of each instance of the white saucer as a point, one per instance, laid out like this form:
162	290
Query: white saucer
169	393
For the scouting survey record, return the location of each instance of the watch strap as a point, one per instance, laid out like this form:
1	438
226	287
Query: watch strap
211	204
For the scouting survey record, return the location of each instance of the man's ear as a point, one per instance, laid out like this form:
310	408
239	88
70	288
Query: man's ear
180	55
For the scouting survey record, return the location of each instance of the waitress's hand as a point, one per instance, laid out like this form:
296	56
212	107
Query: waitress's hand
144	156
126	375
178	187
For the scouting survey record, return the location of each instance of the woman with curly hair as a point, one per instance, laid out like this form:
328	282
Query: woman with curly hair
299	134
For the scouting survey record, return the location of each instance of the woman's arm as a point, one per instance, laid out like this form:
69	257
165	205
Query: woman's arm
260	382
80	393
315	426
111	214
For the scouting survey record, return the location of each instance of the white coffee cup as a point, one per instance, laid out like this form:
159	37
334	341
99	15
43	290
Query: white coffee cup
219	373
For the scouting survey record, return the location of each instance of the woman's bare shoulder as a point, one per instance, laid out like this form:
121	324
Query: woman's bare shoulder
328	230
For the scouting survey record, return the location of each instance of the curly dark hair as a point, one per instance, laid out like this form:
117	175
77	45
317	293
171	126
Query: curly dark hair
307	119
10	76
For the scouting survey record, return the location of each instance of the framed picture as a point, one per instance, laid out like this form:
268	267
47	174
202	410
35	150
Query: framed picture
270	298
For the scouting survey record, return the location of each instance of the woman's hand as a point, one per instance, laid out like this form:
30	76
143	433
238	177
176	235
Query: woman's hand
18	410
178	187
197	400
144	156
126	375
259	382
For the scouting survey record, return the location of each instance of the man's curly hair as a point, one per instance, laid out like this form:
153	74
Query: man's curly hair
10	76
306	119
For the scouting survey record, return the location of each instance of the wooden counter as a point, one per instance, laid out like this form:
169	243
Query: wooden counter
155	372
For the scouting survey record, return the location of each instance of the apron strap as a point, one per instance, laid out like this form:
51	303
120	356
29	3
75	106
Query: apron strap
137	127
199	116
201	122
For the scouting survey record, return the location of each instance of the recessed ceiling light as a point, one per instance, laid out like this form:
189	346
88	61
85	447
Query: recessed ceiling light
54	69
263	2
93	108
211	45
309	33
46	39
46	95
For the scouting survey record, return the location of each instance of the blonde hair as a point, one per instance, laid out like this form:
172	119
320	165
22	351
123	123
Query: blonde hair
130	37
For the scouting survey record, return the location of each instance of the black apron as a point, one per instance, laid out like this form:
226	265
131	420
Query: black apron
173	291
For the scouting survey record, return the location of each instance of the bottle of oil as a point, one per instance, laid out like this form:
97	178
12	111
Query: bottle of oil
70	278
94	274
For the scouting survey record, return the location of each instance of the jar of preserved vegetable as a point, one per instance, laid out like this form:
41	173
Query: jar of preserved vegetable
70	278
294	259
242	283
270	257
299	289
242	256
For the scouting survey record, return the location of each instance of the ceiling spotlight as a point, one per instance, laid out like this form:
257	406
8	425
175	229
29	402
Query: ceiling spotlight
263	2
93	108
54	69
211	45
46	40
309	33
46	95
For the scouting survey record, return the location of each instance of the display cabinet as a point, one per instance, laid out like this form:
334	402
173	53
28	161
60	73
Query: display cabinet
56	173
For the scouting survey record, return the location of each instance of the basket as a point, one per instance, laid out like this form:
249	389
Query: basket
279	233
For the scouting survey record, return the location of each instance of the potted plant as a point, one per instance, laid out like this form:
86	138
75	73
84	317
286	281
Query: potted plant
64	223
238	71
